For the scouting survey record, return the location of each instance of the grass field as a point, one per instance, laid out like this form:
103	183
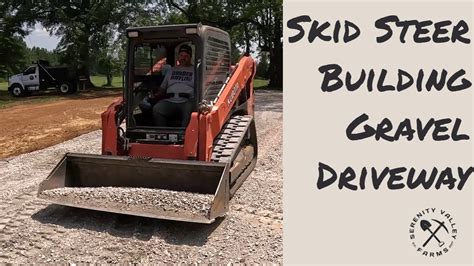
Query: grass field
99	81
3	86
260	83
51	95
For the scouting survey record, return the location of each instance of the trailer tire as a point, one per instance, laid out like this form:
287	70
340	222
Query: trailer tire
66	88
17	90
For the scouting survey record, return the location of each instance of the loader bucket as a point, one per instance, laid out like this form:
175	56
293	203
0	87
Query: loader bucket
166	189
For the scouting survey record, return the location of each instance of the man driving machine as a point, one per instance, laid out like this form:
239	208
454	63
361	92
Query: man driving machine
176	92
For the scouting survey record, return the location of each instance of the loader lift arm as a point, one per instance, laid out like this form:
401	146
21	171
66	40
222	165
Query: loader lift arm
211	124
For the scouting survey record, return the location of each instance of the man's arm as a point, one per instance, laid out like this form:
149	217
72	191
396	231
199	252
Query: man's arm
160	92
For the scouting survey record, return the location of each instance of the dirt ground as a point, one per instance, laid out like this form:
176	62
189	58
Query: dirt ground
34	231
33	126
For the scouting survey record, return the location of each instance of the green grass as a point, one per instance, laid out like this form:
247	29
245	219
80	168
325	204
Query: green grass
7	100
3	86
100	81
260	83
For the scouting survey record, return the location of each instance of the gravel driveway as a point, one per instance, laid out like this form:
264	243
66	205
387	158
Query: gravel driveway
33	231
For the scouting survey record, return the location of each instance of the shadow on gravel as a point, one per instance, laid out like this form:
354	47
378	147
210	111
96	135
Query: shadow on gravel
127	226
268	100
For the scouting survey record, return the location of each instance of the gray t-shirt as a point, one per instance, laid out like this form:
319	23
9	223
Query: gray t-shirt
179	80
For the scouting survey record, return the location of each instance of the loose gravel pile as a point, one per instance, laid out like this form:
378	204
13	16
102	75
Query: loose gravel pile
141	200
32	231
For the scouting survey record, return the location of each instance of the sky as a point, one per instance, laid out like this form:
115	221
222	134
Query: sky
39	37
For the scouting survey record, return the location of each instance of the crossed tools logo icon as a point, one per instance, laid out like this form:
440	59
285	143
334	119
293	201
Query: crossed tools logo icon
433	232
426	226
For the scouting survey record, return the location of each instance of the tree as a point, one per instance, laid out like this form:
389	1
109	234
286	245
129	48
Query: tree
15	16
37	53
13	55
109	65
249	22
86	28
270	32
262	66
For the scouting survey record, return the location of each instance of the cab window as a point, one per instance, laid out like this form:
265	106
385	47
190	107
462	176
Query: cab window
29	71
148	59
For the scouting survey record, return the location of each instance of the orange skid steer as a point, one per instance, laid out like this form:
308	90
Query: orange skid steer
168	171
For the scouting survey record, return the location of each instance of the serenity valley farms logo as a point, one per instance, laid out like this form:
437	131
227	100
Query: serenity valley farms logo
433	232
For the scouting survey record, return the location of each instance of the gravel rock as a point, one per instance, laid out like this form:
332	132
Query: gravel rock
30	228
152	201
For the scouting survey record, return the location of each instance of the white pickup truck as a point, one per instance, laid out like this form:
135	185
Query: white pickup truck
40	76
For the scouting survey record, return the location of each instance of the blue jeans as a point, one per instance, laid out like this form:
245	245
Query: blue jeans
172	114
146	105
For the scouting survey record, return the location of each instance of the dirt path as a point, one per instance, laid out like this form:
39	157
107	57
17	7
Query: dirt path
32	126
32	231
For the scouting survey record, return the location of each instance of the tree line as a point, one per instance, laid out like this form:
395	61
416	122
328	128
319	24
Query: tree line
24	56
91	31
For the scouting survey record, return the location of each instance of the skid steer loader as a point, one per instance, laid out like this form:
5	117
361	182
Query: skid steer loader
168	172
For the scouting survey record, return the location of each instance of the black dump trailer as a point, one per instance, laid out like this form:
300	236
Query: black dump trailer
57	76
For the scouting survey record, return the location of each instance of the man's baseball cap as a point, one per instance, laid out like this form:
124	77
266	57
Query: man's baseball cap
185	48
